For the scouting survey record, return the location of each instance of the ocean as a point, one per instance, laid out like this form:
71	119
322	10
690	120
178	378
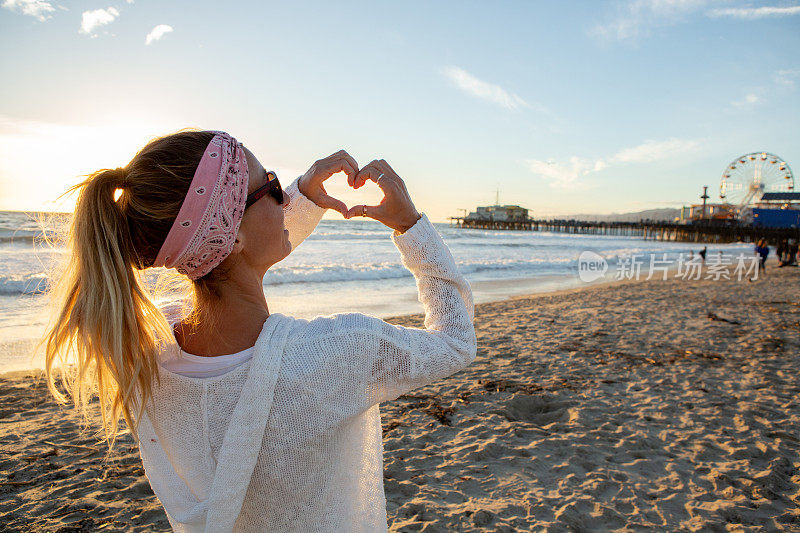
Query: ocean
344	266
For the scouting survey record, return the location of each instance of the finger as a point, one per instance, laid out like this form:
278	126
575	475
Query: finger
353	169
370	171
350	213
340	165
389	173
330	202
337	155
358	211
333	161
382	172
362	175
377	170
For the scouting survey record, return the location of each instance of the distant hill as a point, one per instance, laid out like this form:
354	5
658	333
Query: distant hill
667	214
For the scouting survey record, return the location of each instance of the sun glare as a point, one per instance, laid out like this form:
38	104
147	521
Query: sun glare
337	187
39	160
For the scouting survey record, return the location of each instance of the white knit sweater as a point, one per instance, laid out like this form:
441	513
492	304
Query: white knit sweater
226	453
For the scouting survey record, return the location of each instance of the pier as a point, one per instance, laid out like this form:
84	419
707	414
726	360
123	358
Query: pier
464	222
662	231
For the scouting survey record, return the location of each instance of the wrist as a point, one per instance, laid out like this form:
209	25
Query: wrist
408	224
301	186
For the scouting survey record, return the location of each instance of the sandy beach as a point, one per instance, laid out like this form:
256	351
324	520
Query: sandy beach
652	405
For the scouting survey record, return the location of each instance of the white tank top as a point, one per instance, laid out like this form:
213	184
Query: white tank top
197	366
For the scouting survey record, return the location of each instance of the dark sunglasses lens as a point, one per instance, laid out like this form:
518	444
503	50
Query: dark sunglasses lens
277	194
276	191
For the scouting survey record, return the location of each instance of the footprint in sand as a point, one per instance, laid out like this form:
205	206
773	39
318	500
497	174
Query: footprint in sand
537	409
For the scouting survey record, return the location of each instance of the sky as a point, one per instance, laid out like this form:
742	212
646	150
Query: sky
565	107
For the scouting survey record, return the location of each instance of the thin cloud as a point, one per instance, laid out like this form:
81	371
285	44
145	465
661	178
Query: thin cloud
157	33
637	18
749	100
39	9
650	151
91	20
483	89
568	175
564	175
787	77
755	12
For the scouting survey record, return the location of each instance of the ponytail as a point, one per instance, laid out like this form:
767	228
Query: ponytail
103	315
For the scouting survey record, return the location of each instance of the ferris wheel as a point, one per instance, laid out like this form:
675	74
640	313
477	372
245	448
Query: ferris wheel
748	177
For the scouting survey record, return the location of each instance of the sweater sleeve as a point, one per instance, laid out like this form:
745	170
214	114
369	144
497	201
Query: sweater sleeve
381	361
409	358
301	215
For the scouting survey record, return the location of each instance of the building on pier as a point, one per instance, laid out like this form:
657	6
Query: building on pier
780	200
778	210
512	217
697	212
509	213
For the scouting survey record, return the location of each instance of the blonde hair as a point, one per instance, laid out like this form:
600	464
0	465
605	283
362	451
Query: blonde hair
102	312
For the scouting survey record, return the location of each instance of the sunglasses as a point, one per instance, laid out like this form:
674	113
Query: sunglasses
272	187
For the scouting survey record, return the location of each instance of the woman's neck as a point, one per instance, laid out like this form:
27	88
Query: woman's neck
224	330
231	319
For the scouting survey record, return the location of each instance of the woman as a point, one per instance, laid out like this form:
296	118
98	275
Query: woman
246	420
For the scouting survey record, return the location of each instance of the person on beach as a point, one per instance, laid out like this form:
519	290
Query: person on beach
702	253
782	252
762	249
246	420
791	252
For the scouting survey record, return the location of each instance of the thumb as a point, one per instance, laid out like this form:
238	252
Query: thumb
330	202
358	211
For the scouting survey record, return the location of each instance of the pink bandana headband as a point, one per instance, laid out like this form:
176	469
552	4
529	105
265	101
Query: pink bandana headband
205	229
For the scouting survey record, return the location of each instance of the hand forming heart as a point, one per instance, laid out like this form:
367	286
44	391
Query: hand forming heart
396	210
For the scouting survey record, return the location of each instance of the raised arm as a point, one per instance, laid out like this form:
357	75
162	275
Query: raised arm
401	359
367	360
301	215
